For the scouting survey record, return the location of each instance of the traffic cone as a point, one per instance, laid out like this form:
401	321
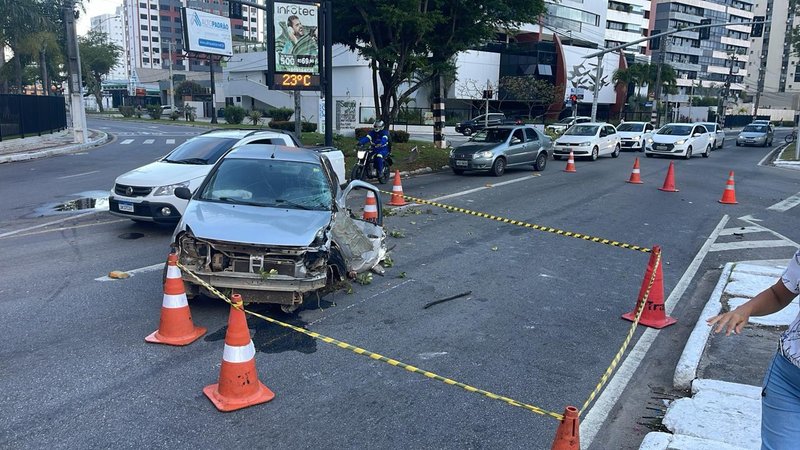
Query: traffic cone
669	181
176	326
568	432
729	194
570	163
238	385
653	314
397	191
371	208
636	177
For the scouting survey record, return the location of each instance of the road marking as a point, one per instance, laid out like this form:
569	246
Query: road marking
72	227
601	409
149	141
482	188
77	175
170	141
723	246
133	272
11	233
742	230
126	142
786	204
751	220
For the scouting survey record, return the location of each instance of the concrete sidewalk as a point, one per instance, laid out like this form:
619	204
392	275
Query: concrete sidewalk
725	372
57	143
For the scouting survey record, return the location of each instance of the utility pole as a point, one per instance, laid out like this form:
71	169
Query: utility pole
760	87
171	93
723	100
213	89
662	54
598	74
486	96
75	81
328	69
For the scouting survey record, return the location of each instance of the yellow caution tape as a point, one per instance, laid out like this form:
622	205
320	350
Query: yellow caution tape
376	356
527	225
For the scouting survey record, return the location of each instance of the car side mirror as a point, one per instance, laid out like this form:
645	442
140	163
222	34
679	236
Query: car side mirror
183	193
697	134
603	134
515	140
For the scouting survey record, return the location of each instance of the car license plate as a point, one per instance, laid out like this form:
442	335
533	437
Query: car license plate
660	147
461	163
125	207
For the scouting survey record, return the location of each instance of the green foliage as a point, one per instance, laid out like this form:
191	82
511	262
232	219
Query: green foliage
288	125
98	57
154	111
281	114
704	101
531	91
174	115
138	112
126	111
234	114
254	116
361	132
189	88
398	136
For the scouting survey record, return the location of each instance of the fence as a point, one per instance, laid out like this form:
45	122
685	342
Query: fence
28	115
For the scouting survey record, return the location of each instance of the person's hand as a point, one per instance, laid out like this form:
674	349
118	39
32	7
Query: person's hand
732	321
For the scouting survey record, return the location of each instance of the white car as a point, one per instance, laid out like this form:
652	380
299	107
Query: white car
717	134
591	139
680	139
564	124
634	135
147	194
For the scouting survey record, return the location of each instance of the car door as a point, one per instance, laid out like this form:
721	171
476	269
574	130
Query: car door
700	142
612	138
532	146
649	129
516	147
602	140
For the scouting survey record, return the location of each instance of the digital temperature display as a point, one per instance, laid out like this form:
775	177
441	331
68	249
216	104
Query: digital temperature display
296	81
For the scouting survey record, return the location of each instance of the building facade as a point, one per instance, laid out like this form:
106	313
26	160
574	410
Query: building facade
113	25
627	21
772	67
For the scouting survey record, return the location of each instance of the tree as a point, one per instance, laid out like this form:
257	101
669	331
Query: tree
98	57
409	43
18	19
189	88
531	91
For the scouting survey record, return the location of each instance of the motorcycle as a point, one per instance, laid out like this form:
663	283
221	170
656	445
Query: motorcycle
364	167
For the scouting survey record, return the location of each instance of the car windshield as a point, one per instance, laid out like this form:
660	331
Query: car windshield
200	150
676	130
755	129
269	183
582	130
637	127
491	135
565	121
711	127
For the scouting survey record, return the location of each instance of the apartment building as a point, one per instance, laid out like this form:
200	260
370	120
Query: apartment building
627	21
113	25
771	58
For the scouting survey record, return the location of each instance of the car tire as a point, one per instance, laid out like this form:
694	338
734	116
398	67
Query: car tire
595	153
541	162
616	152
557	157
499	167
688	153
722	144
649	155
458	171
707	153
737	143
467	131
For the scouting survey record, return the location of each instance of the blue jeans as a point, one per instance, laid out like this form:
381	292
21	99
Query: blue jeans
780	406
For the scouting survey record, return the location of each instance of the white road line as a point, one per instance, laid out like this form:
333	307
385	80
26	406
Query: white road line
149	141
742	230
470	191
77	175
126	142
723	246
751	220
133	272
601	409
11	233
170	141
71	228
786	204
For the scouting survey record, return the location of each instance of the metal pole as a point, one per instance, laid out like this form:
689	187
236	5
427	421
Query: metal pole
75	81
328	73
213	90
598	73
171	94
662	53
759	88
486	115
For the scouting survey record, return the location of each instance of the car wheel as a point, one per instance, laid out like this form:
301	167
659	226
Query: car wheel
467	131
707	153
355	173
384	175
722	144
557	157
499	167
616	152
688	153
649	155
595	153
541	162
737	143
458	171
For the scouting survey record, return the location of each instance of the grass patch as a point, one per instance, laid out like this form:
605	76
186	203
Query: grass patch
788	153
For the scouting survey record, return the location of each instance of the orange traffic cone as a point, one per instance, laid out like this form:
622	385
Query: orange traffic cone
238	385
636	177
567	434
729	194
669	181
653	314
176	326
570	163
397	191
371	208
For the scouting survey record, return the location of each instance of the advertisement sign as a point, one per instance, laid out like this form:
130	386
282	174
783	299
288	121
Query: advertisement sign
294	46
207	33
345	114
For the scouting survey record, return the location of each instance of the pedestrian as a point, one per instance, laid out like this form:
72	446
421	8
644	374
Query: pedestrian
780	395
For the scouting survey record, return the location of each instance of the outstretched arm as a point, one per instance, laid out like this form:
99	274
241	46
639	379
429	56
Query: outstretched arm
768	301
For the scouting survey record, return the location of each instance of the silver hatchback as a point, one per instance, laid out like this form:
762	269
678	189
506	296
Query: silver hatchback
756	134
496	148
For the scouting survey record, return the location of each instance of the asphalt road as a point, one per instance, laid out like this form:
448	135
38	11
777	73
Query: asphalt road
540	326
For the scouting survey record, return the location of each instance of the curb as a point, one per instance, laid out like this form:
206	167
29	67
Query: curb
36	154
686	369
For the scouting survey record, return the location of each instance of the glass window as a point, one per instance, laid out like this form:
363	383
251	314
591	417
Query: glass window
154	28
155	39
632	127
200	150
491	135
582	130
145	38
530	133
675	130
143	16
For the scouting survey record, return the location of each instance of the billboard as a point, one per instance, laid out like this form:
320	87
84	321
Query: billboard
207	33
294	45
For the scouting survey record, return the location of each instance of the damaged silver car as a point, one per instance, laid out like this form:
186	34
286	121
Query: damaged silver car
271	223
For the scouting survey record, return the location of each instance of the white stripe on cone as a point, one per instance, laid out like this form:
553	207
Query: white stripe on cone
729	187
234	354
173	272
174	301
370	208
397	188
636	171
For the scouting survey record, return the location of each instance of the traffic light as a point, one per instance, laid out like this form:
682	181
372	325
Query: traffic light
758	28
234	10
704	33
655	43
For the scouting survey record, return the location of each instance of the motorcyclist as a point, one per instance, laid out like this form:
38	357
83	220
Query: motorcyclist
378	139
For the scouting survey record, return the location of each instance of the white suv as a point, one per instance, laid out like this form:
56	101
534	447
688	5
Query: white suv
147	194
680	139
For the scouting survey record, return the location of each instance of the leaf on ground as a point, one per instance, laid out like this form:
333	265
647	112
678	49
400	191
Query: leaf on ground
401	275
397	234
494	249
118	275
387	261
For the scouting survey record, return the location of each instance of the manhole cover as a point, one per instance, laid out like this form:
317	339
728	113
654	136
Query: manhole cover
131	235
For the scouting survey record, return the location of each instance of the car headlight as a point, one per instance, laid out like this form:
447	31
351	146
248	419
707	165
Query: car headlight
585	144
170	188
452	152
485	154
361	154
681	142
637	138
649	140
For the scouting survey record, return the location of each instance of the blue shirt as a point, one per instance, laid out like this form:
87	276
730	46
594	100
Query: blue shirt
378	139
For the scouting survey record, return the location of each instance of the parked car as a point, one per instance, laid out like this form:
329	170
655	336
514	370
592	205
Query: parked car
717	134
166	110
496	148
468	127
563	124
756	134
633	135
679	139
591	139
272	223
147	194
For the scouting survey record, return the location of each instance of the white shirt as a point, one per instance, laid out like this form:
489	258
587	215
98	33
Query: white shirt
790	339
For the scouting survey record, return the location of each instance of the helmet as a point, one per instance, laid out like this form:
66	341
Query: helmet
378	125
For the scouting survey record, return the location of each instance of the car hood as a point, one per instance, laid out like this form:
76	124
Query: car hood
472	148
752	134
569	139
255	225
629	134
668	138
162	173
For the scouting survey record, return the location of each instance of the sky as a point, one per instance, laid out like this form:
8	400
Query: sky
95	8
